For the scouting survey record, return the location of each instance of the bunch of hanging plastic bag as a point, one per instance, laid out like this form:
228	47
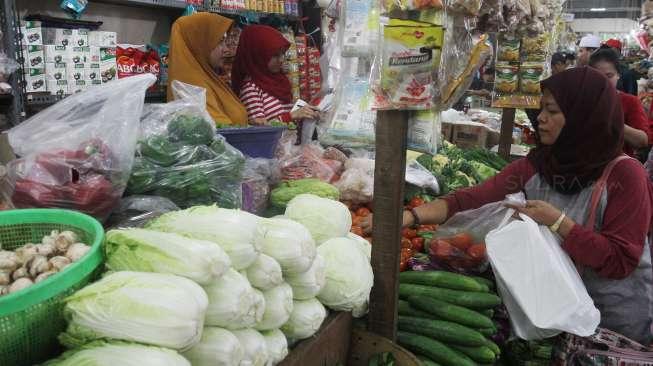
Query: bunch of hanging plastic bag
78	154
180	156
537	280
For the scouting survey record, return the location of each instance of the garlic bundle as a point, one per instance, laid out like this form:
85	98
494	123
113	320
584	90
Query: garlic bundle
34	263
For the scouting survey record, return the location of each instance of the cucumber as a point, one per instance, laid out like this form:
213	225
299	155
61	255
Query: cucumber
452	313
442	331
488	332
433	349
473	300
484	281
493	346
488	312
481	354
426	361
405	308
442	279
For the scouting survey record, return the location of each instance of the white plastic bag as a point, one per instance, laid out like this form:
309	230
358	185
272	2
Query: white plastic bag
538	282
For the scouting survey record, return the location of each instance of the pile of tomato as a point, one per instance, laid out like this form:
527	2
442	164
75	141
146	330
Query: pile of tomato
358	213
459	252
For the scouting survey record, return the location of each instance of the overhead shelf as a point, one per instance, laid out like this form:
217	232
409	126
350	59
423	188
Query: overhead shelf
41	100
168	4
246	12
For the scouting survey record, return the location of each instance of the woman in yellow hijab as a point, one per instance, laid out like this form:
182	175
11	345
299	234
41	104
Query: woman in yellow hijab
196	48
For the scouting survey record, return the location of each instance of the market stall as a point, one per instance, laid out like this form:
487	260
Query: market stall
158	233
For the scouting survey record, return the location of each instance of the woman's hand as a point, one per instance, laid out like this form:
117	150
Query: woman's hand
368	221
305	112
541	212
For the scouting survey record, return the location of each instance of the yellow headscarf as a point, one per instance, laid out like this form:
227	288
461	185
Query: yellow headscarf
191	41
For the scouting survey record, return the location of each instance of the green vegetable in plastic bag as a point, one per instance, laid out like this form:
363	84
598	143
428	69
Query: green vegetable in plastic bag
192	130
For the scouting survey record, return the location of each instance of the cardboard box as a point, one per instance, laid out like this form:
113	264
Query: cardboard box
447	131
102	39
76	72
33	57
32	33
35	80
94	54
56	71
76	86
58	87
56	54
80	54
469	135
92	73
80	37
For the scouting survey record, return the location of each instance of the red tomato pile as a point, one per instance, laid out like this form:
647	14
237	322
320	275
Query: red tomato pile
458	251
358	212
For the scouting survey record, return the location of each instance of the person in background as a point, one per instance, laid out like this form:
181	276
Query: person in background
558	62
581	133
636	129
571	59
258	79
483	86
628	80
586	46
196	52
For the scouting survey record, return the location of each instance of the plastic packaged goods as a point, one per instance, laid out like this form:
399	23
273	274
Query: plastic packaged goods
258	176
136	211
359	35
78	153
530	75
535	48
308	161
508	48
465	7
424	131
507	78
406	5
180	157
410	55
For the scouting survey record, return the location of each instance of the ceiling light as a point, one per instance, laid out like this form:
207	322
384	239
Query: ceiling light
597	9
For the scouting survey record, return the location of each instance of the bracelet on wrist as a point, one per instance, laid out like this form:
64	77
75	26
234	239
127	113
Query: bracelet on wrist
416	220
556	226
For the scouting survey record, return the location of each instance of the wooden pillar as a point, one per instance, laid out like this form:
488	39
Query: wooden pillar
505	139
389	177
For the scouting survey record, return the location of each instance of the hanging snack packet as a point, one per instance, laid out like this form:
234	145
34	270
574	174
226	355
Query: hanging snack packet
534	48
508	48
411	55
506	78
530	75
405	5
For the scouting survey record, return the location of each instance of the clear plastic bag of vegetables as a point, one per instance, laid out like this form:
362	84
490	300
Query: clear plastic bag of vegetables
78	153
459	244
180	157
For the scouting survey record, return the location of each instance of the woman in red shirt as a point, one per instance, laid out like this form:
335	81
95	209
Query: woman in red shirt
257	78
558	179
636	130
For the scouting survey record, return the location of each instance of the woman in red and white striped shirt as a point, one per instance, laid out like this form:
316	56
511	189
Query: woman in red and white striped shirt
257	78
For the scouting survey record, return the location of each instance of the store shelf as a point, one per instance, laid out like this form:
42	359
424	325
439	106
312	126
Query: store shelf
168	4
40	100
247	13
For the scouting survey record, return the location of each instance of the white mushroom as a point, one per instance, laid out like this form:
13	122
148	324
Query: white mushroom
26	252
48	240
20	284
45	249
20	273
8	261
58	263
43	276
54	233
5	278
37	265
4	290
76	251
64	240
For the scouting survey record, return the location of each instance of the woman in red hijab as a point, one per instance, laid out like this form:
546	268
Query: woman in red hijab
258	79
581	139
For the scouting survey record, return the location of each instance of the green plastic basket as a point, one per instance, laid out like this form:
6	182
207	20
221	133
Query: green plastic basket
31	319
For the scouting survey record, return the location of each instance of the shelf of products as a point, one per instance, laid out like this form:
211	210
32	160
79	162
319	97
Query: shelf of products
45	99
249	13
170	4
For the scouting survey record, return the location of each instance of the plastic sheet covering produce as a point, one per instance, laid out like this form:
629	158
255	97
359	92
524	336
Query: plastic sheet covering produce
180	157
78	153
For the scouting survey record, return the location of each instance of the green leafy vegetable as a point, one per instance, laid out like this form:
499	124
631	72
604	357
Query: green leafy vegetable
286	191
191	130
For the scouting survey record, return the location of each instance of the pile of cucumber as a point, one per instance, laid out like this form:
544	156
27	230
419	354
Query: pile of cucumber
446	318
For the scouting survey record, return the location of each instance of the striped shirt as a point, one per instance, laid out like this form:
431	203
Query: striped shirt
260	104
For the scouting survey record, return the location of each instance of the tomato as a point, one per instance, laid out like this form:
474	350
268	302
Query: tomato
363	212
443	249
357	230
461	241
477	252
403	266
417	244
405	243
408	233
406	253
416	202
